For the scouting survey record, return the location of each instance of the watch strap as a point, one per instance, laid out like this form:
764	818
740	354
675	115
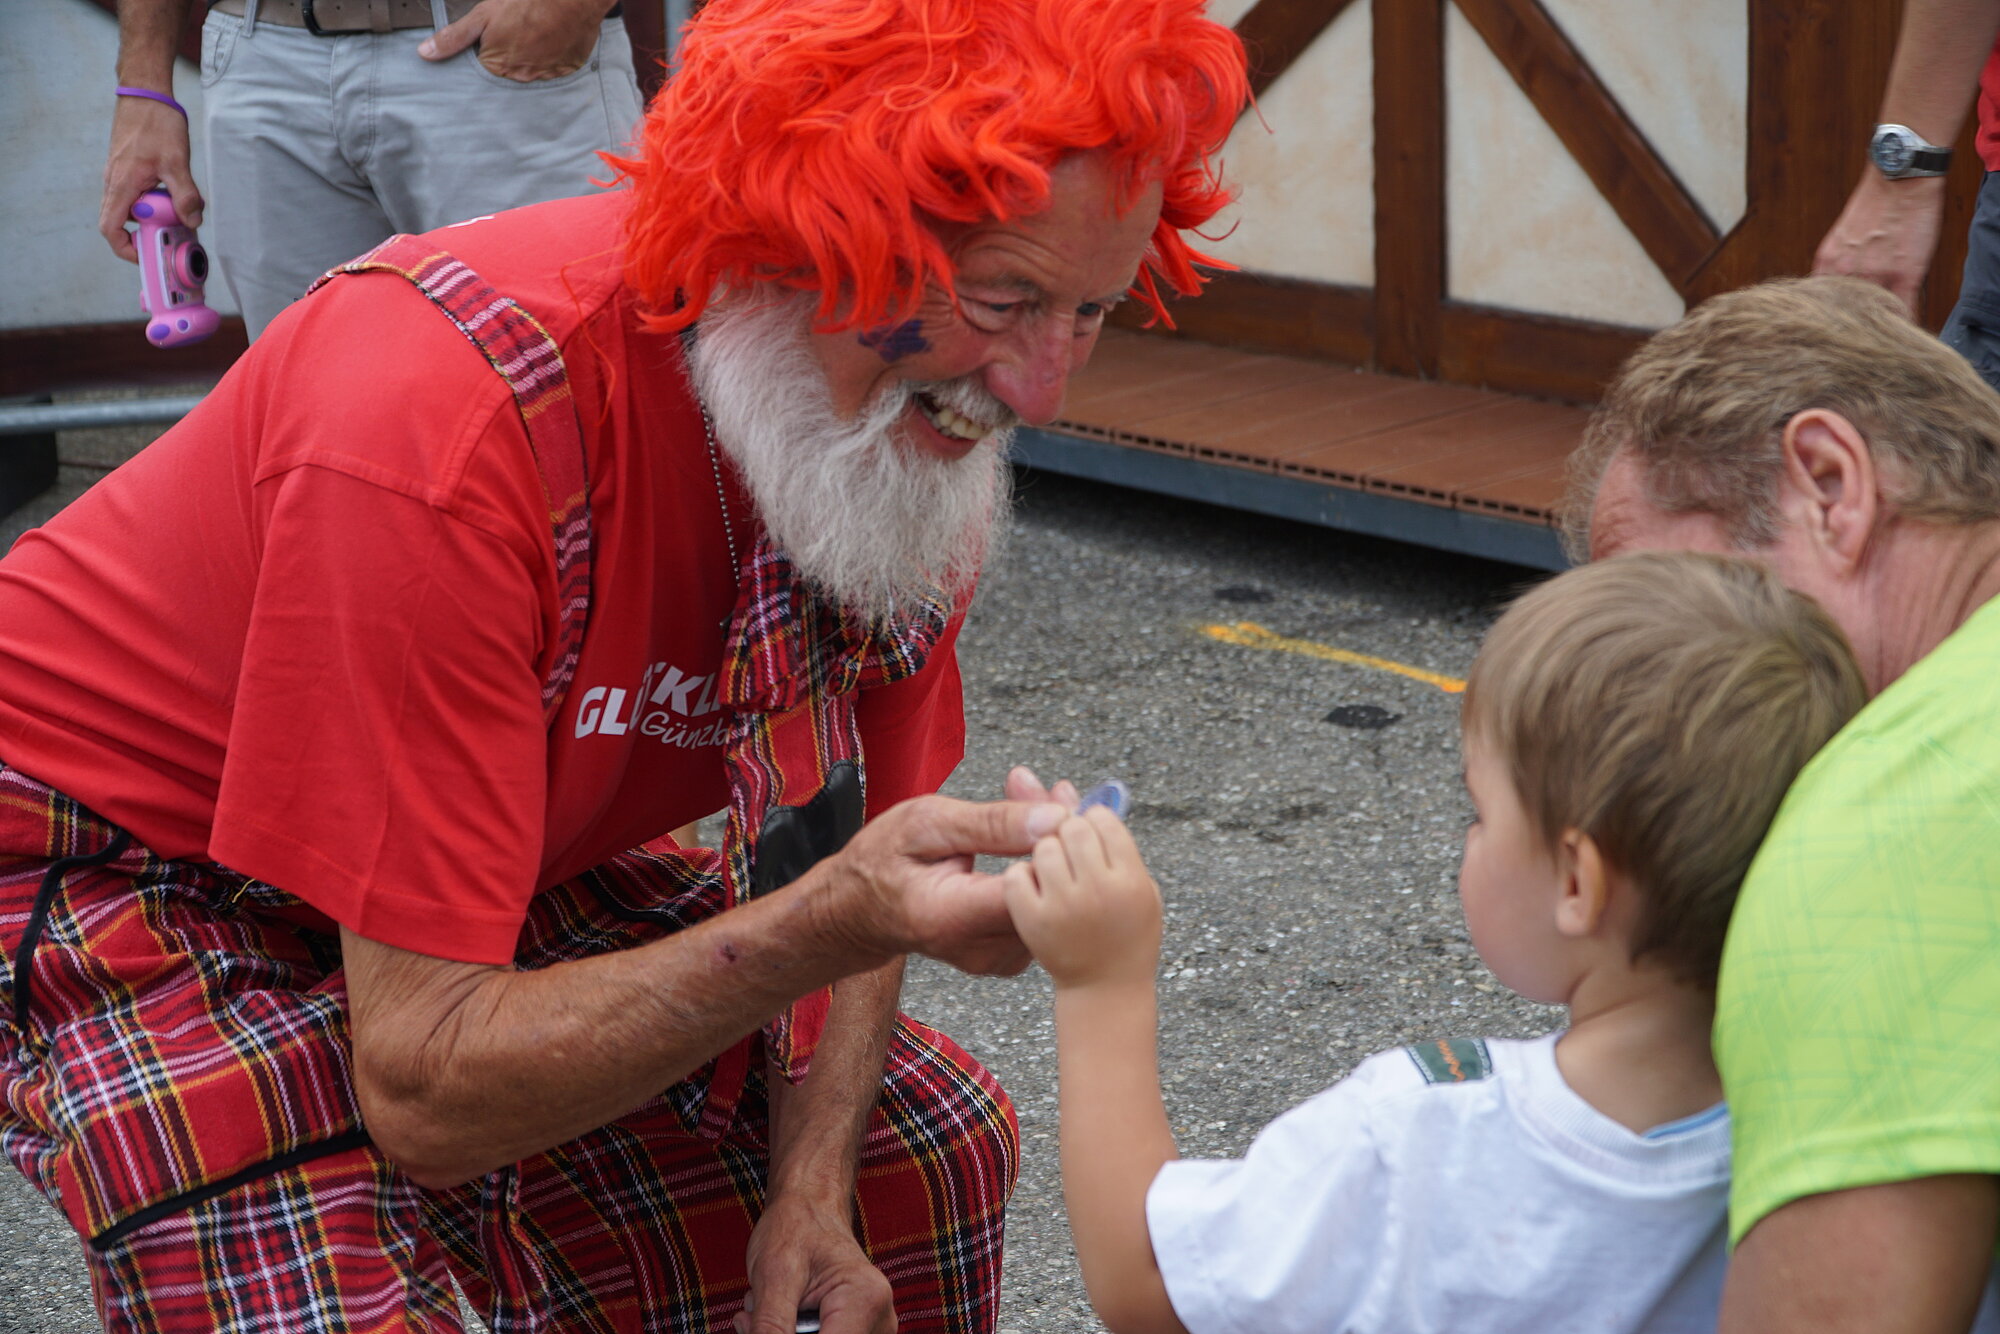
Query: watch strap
1929	162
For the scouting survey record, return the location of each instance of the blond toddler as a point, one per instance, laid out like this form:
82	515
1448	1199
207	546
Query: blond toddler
1629	731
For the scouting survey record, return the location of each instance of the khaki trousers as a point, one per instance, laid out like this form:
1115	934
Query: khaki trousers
319	147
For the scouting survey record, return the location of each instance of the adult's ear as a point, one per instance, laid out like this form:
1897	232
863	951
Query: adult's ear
1829	487
1585	894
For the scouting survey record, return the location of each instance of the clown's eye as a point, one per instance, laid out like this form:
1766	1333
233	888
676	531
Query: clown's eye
1001	307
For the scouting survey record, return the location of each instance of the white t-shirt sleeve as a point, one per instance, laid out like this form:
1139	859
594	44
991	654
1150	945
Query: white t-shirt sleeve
1286	1239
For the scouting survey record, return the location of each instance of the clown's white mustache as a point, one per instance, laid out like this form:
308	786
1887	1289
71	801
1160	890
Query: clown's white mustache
870	520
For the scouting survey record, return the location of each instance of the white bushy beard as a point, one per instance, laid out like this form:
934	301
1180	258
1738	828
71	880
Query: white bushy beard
870	522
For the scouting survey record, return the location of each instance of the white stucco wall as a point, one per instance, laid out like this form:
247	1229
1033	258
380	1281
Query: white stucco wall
1526	229
1306	169
1228	12
1682	73
57	70
1524	226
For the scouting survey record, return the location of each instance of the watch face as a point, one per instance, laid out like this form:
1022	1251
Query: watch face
1892	152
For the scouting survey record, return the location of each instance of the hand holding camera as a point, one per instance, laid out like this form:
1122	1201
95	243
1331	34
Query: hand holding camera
172	269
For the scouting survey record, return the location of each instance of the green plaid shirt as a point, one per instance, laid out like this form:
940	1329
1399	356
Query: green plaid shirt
1858	1020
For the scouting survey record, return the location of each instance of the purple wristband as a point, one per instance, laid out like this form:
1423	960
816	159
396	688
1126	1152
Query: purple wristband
157	97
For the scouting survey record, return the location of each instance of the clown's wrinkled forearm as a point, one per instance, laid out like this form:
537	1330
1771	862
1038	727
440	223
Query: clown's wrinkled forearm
462	1068
805	1251
817	1125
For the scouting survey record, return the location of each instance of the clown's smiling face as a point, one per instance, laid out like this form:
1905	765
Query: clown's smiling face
1032	296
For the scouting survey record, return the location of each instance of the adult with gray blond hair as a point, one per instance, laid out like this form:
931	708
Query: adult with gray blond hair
1809	423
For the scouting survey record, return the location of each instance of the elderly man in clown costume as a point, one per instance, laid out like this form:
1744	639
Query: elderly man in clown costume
342	953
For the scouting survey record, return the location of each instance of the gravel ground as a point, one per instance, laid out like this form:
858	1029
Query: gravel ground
1308	863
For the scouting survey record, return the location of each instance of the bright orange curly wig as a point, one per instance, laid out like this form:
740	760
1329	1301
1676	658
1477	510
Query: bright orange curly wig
806	143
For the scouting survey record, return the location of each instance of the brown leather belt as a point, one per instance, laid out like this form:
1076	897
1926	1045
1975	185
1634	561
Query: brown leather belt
335	18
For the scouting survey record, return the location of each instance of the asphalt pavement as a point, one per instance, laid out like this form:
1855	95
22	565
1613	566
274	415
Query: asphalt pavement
1303	816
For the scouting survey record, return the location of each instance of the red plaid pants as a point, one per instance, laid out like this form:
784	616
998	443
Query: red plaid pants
174	1076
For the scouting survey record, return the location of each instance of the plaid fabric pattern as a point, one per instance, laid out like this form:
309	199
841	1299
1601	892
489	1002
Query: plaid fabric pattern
516	345
670	1210
116	960
791	664
180	1089
791	670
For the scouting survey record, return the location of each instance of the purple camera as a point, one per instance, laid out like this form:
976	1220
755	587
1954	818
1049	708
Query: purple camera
172	268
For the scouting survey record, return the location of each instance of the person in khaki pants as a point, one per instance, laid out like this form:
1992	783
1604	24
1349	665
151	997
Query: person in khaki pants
395	116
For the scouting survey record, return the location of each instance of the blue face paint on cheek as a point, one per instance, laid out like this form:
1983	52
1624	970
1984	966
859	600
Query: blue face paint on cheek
895	343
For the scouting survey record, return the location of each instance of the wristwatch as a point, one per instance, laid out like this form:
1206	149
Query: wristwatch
1899	152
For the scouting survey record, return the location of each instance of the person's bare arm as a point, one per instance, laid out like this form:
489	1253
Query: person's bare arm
804	1253
1115	1140
1091	914
1910	1257
463	1068
149	141
1889	228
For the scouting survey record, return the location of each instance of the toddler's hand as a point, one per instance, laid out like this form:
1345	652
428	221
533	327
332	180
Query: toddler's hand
1086	905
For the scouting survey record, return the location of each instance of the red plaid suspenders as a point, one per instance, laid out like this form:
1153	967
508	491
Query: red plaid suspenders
516	345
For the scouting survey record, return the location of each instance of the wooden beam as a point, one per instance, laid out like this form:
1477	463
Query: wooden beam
1648	198
1276	33
1507	350
1409	183
85	356
1541	355
1290	315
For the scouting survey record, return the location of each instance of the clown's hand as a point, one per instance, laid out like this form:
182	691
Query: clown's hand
1024	785
907	883
804	1257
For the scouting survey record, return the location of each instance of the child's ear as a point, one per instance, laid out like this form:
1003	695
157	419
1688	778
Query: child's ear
1584	888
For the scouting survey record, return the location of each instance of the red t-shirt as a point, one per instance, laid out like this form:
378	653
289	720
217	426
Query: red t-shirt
1988	140
304	633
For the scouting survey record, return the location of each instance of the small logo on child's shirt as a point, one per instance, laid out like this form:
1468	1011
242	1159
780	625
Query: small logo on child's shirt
1453	1060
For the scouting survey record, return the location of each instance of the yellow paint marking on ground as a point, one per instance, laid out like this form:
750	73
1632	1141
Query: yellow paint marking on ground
1249	635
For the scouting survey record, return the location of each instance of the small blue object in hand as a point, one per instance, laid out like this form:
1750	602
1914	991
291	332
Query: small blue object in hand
1110	793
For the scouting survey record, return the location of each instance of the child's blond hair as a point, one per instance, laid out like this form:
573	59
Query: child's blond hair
1662	703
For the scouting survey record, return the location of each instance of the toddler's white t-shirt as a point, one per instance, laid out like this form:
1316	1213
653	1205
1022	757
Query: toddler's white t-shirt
1452	1187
